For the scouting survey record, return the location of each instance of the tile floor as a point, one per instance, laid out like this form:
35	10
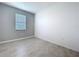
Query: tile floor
34	47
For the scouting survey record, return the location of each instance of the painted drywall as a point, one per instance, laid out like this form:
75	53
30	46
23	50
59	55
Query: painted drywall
59	24
7	23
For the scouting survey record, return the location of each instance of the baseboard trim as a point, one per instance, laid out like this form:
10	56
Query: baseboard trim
56	43
16	39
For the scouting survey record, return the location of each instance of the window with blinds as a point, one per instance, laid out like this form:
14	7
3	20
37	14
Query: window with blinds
20	22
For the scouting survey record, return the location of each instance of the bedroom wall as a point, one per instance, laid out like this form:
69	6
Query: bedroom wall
7	23
59	24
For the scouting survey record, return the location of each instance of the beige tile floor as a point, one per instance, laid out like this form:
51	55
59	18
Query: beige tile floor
34	47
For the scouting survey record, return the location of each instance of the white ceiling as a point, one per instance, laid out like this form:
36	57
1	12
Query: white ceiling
33	7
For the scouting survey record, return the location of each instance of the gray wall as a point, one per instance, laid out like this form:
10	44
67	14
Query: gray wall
7	23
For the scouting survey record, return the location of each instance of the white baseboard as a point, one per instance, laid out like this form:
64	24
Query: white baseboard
16	39
59	44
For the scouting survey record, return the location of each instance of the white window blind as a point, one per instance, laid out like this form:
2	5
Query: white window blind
20	22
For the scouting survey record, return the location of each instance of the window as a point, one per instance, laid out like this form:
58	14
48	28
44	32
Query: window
20	22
